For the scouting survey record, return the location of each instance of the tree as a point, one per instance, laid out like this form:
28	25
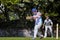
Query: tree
22	8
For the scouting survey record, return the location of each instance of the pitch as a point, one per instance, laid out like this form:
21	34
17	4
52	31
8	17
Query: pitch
26	38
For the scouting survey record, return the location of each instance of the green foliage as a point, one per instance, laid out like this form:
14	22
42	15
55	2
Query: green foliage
53	14
13	16
51	7
12	1
43	5
2	16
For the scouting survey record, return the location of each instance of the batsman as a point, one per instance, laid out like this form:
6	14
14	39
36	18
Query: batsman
37	16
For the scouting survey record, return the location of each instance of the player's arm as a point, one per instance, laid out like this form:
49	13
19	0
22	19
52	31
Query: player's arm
29	17
32	17
38	15
51	22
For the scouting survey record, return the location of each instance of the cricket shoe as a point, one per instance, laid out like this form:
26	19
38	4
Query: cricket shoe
33	39
41	37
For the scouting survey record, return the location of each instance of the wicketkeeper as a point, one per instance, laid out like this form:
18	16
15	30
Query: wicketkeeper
48	25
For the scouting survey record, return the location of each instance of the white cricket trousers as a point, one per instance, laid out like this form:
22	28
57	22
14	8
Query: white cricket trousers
46	28
36	28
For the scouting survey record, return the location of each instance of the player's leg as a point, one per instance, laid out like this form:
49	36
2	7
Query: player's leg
39	33
35	31
45	35
50	28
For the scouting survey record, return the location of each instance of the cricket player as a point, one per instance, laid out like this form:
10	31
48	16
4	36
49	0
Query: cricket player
37	16
48	25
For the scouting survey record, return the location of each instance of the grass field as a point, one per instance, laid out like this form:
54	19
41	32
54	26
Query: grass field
25	38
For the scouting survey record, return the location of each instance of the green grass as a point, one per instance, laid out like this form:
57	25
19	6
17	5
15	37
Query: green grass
25	38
